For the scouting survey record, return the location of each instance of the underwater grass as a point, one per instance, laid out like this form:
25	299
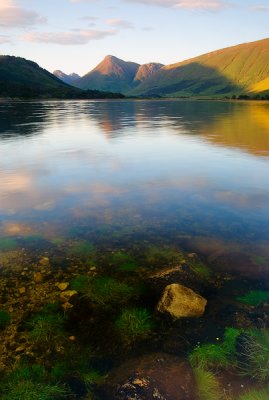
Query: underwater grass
208	387
254	297
216	355
28	390
106	291
134	324
123	261
255	395
255	353
46	328
82	249
4	319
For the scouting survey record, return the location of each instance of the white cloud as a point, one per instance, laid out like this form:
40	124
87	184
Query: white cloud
210	5
120	23
68	38
12	16
259	8
4	39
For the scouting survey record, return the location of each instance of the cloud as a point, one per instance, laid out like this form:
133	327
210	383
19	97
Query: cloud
4	39
12	16
120	23
209	5
68	38
259	8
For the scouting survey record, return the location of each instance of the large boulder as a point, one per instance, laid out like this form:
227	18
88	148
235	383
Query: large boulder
179	301
156	376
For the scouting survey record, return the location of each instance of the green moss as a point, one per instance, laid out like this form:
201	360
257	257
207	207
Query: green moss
254	297
107	292
256	355
208	387
7	244
134	324
4	319
255	395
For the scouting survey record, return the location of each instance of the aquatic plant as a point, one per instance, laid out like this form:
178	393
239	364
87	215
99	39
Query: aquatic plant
254	297
156	254
31	381
4	319
124	261
255	354
208	387
220	355
7	244
80	282
262	394
209	356
106	291
45	328
201	270
82	249
34	372
134	324
28	390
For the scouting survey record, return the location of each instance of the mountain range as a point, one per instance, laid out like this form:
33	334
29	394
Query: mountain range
22	78
237	70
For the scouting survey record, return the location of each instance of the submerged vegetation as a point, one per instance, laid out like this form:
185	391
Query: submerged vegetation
134	324
89	318
208	387
254	297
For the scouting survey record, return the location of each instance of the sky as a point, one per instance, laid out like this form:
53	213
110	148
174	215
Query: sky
75	35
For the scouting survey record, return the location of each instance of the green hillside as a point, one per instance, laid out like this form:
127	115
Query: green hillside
242	69
25	79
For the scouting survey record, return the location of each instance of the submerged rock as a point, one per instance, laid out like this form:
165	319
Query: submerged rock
180	301
156	376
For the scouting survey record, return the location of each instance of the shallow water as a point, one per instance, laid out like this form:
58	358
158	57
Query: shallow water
124	186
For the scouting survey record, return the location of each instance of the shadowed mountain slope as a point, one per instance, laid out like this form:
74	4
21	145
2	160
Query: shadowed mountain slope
235	70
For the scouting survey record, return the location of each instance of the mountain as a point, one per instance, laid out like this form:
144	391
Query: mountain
25	79
114	74
69	79
237	70
145	71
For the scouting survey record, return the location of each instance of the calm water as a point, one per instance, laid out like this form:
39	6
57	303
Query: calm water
112	191
191	173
